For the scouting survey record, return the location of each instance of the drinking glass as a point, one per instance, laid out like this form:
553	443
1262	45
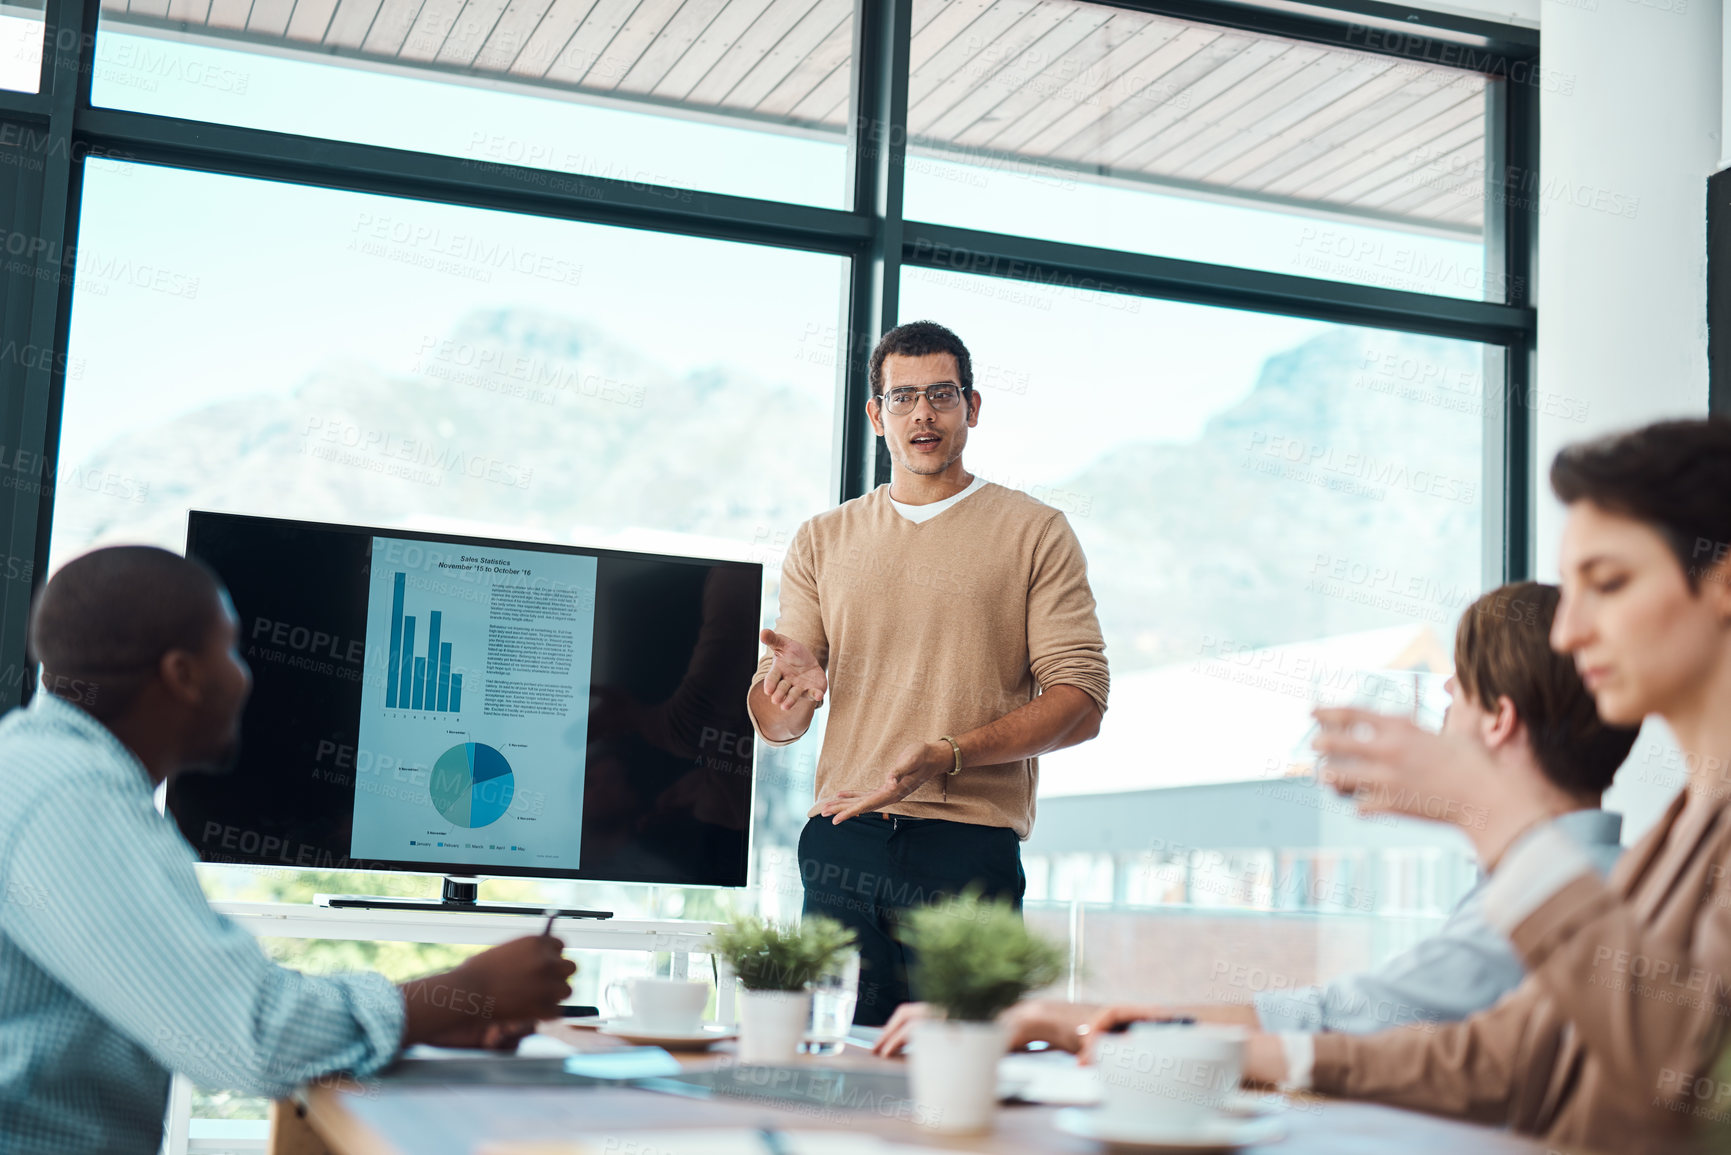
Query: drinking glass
1414	694
832	1003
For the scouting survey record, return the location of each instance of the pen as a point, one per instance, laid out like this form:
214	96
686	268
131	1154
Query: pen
552	913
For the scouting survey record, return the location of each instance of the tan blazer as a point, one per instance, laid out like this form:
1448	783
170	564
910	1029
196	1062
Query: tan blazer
1612	1040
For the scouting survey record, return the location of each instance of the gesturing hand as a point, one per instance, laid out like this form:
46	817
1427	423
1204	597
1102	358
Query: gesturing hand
794	672
916	765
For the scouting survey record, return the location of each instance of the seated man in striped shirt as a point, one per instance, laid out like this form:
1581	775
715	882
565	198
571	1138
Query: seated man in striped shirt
114	970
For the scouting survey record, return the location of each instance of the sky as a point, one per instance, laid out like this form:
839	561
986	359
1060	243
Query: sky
20	53
185	277
194	288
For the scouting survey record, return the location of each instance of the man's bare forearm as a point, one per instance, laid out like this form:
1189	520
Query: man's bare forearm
1061	716
777	724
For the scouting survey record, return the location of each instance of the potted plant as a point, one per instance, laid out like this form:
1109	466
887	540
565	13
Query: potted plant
775	964
973	959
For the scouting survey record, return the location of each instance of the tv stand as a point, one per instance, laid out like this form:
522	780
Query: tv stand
459	894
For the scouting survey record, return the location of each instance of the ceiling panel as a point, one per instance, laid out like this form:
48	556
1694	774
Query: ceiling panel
1102	91
469	34
308	21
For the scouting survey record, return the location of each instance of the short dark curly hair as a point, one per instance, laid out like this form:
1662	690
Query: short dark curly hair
103	622
917	339
1674	476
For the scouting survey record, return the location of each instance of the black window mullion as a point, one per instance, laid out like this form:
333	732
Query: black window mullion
1425	36
1719	292
1085	269
23	107
39	303
368	168
1516	451
880	151
1516	215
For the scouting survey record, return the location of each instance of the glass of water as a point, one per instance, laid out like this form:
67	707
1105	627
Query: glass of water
832	1001
1414	694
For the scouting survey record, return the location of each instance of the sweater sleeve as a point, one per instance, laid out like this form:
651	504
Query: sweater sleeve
129	932
801	616
1065	647
1467	1069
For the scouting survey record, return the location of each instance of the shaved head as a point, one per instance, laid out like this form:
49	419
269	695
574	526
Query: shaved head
103	622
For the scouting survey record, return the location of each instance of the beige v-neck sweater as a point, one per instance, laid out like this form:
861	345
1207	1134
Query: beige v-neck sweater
937	627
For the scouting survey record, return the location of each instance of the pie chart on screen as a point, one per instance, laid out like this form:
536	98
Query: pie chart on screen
472	784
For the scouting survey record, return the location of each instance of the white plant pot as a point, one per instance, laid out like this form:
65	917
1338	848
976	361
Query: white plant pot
953	1074
771	1025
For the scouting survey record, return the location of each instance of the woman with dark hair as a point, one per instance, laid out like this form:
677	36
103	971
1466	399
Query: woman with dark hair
1611	1040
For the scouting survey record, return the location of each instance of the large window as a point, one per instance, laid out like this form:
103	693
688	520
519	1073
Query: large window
1246	288
1244	485
280	350
1272	509
271	349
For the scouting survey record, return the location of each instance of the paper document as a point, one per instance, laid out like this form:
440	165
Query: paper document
1051	1077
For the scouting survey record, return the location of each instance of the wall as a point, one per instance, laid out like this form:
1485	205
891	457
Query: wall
1623	295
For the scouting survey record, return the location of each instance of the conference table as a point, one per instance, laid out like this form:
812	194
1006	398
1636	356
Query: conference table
464	1117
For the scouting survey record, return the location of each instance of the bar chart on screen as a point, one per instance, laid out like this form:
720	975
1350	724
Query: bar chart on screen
419	683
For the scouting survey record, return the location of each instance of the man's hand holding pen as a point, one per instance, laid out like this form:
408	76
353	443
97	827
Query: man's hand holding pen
492	999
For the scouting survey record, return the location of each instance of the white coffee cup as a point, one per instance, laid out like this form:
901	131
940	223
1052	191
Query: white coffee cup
673	1006
1169	1076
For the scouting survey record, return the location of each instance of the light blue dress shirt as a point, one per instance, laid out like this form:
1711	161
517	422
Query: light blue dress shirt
115	971
1464	967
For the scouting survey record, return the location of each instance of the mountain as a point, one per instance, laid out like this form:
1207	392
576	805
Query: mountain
518	424
1342	494
1350	454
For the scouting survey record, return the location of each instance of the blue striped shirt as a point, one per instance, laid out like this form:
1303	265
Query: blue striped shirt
115	971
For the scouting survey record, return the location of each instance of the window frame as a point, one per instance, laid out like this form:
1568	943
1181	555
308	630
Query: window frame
56	128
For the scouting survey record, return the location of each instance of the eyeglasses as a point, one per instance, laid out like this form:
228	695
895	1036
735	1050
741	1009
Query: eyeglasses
943	396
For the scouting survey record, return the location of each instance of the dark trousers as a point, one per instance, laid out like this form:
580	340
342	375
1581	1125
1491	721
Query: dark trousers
864	872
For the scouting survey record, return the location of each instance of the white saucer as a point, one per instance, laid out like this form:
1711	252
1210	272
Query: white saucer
697	1040
1222	1133
1253	1104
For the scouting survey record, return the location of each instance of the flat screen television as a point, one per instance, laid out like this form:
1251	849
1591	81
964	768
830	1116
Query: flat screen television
443	704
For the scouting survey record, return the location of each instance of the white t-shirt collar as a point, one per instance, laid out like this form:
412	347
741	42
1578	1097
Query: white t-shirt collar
919	513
